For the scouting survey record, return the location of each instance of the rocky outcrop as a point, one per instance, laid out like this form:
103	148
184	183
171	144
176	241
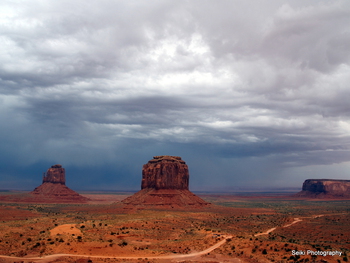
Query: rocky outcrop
54	189
165	185
56	175
325	188
165	172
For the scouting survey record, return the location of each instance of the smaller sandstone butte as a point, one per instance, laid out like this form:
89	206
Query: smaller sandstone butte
56	175
54	189
165	185
323	188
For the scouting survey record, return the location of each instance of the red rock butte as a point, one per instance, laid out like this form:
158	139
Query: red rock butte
164	183
54	189
324	188
56	175
165	172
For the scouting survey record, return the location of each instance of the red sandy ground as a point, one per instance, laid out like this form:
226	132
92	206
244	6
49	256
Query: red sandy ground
24	198
30	230
10	213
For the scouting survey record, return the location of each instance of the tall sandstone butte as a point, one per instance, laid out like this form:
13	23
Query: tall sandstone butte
165	184
165	172
324	188
54	189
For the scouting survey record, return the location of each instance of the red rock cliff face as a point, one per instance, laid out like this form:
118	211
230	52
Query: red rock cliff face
56	174
325	187
165	172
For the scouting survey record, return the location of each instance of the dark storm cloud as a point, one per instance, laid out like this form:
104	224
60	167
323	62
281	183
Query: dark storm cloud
238	86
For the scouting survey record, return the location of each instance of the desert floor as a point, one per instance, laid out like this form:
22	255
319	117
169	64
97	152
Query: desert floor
236	228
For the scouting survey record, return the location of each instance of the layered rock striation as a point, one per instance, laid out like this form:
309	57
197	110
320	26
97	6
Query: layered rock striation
325	188
54	189
164	184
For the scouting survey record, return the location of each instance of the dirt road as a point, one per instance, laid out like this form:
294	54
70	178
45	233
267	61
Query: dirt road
296	220
49	258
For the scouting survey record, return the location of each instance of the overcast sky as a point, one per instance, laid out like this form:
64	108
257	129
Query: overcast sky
251	94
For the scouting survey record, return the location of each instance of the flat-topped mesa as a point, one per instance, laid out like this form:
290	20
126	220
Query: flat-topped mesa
325	187
56	175
165	172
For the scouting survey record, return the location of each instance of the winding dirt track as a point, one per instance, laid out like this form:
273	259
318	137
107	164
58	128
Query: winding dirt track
48	258
296	220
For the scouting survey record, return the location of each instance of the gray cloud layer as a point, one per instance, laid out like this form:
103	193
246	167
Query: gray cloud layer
247	93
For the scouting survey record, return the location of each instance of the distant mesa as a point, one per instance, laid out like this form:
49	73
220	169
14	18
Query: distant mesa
53	188
165	184
324	188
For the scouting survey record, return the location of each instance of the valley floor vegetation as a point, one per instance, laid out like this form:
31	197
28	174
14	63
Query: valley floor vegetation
271	229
